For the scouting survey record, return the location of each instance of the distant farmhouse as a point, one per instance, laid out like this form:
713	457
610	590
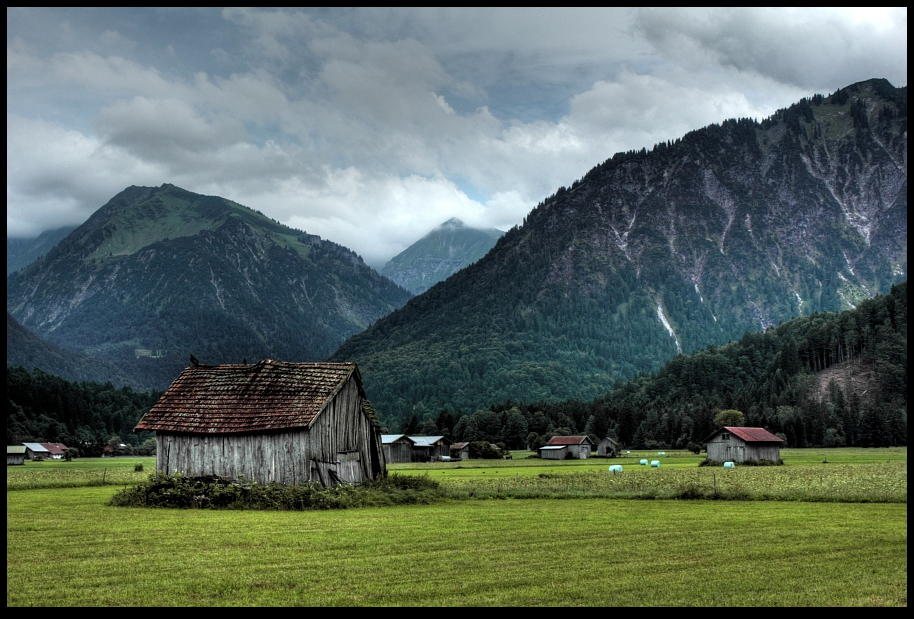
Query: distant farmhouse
403	448
562	447
36	451
735	444
290	423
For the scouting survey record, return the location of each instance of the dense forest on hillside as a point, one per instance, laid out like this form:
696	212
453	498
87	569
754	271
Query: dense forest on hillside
43	408
733	228
772	377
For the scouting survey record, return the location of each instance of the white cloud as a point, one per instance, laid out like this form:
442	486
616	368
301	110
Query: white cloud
371	126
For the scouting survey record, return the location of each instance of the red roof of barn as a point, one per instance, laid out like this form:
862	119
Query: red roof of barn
54	448
750	435
228	399
569	440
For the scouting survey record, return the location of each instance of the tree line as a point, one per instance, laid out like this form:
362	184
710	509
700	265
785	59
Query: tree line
44	408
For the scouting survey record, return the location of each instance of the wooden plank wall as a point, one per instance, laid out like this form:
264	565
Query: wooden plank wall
263	458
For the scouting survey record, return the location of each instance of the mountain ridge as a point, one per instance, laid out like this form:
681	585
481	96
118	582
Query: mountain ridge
157	274
732	228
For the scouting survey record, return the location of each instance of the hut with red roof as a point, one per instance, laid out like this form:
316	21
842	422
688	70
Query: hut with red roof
737	444
562	447
272	421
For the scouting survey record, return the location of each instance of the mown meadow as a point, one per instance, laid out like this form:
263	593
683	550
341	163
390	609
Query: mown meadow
505	533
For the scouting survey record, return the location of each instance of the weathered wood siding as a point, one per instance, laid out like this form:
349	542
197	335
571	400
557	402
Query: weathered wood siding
554	454
399	451
282	456
343	440
581	452
341	445
728	447
607	448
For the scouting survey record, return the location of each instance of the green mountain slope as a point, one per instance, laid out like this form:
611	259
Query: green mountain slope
439	254
158	274
733	228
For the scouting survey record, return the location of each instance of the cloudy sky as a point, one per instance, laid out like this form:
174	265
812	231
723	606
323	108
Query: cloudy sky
369	127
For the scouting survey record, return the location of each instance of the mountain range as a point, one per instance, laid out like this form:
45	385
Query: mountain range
439	254
160	273
733	228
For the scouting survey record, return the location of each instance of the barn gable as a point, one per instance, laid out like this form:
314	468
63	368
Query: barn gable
270	421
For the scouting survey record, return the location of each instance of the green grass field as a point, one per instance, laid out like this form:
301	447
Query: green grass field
66	547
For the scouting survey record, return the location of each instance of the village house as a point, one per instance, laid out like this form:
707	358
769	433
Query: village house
272	421
736	444
561	447
56	450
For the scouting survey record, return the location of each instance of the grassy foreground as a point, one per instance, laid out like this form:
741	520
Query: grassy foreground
65	547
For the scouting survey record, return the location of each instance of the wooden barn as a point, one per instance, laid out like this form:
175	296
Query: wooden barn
272	421
460	451
578	446
397	448
15	454
402	448
553	452
736	444
431	448
36	451
608	448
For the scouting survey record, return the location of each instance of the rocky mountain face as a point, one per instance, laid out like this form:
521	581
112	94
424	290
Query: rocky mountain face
731	229
160	273
439	254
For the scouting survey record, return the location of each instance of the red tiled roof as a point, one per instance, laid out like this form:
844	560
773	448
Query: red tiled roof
754	435
750	435
568	440
54	448
225	399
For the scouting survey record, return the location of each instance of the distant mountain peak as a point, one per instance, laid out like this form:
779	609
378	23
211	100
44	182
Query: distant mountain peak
453	222
439	254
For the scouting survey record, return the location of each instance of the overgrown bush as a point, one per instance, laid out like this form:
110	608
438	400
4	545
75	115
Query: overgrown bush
214	492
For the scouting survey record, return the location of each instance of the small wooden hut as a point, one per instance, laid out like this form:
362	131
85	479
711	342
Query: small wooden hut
290	423
553	452
397	448
578	446
608	448
15	454
430	448
460	451
737	444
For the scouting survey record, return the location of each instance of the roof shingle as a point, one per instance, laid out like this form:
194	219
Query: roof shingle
754	435
228	399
